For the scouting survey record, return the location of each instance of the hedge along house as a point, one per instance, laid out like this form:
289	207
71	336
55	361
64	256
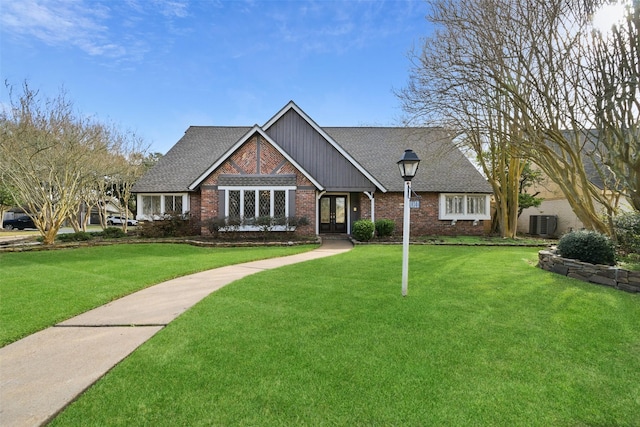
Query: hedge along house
333	176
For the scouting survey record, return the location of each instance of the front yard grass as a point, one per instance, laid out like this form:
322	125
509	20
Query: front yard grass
39	289
483	338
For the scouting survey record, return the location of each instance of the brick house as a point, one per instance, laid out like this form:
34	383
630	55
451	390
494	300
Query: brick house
332	176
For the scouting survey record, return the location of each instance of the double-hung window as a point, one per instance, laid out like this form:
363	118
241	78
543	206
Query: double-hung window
464	206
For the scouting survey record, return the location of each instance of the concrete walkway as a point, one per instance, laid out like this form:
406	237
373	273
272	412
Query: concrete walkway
44	372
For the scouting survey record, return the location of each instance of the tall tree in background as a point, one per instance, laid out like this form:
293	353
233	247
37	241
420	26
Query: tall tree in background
129	157
510	75
529	178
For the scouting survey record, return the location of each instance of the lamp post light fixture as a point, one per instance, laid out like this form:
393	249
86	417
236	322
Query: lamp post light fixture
408	165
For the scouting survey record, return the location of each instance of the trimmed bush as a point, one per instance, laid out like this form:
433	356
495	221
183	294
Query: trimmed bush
79	236
587	246
294	221
178	225
363	230
214	225
627	229
113	233
385	227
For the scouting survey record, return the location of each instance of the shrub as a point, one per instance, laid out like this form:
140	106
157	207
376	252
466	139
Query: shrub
363	230
587	246
178	225
626	226
295	221
113	233
385	227
214	225
78	236
264	223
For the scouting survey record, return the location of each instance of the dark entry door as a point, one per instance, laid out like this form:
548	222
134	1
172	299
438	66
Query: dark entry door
333	214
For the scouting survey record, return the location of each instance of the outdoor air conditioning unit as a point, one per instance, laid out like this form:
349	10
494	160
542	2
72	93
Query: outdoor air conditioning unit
543	225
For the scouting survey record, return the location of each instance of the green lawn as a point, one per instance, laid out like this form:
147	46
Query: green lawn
483	338
39	289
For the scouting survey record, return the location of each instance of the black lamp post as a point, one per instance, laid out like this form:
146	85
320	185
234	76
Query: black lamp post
408	165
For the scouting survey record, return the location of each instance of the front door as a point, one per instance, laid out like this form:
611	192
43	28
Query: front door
333	214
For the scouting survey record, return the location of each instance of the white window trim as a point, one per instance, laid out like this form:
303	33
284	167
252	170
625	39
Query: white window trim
442	211
141	216
257	189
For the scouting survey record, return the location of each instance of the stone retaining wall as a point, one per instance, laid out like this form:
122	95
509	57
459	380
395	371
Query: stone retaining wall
615	277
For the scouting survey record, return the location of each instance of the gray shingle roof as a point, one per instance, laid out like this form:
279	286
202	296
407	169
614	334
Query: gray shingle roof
193	154
443	167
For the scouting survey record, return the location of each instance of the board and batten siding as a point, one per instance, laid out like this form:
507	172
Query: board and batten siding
316	155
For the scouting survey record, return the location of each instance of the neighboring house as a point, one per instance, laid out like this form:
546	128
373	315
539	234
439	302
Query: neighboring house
555	217
332	176
111	208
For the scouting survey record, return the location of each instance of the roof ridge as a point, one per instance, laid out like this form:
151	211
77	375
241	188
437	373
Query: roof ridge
221	126
385	127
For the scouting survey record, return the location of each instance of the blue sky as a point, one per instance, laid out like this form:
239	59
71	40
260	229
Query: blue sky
158	66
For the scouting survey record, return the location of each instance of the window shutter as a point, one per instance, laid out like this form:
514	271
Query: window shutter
221	203
292	203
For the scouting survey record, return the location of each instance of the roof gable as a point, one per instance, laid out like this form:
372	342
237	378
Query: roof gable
300	142
238	144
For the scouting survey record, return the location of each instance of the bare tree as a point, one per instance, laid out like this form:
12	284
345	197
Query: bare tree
612	80
454	84
511	74
47	154
129	164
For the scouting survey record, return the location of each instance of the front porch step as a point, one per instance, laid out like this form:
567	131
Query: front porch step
337	236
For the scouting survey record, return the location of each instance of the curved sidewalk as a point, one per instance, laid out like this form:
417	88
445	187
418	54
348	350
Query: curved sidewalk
44	372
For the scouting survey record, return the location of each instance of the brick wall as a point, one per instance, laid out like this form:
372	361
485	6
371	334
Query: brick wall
195	212
424	221
306	207
256	156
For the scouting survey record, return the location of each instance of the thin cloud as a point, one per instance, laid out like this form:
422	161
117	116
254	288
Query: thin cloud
338	27
59	23
88	26
173	8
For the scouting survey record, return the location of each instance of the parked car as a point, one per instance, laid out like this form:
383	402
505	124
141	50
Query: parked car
118	220
20	223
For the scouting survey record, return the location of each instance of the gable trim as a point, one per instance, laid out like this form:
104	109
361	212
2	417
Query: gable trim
292	106
255	129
